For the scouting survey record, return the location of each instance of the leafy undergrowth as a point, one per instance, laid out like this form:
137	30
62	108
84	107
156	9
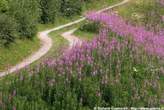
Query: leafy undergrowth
17	51
109	71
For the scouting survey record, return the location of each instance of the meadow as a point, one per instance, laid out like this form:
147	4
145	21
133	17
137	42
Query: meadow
119	64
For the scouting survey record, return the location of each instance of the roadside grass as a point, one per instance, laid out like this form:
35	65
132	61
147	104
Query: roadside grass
59	45
17	51
84	35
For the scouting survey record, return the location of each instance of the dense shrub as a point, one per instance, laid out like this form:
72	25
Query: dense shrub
26	27
3	5
49	9
87	0
7	29
70	7
92	27
26	13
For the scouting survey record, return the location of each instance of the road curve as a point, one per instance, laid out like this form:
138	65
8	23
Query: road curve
46	42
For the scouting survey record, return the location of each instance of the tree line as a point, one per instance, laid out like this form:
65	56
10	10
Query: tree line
19	18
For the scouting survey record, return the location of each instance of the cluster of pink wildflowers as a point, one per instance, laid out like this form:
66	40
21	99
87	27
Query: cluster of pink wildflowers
152	42
161	2
89	53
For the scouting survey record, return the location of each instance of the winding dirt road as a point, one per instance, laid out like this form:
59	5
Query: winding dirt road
46	42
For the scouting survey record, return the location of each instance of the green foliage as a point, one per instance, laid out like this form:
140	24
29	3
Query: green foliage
7	29
26	14
70	7
88	0
3	5
49	9
90	92
22	15
92	27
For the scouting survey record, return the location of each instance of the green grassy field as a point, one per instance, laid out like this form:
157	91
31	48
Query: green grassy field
17	51
84	35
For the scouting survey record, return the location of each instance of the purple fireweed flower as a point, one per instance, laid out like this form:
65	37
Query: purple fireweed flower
161	32
139	34
161	2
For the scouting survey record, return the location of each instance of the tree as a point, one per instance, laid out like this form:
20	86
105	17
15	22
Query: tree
49	10
71	7
7	30
26	13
